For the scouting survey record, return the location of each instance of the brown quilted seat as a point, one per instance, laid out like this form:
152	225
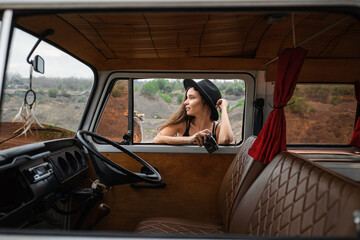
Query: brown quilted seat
177	225
239	176
296	197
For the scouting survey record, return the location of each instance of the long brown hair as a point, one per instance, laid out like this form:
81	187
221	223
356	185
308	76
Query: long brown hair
180	115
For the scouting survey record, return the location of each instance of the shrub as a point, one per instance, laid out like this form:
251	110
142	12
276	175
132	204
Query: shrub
167	97
149	89
119	90
6	97
343	90
53	92
317	93
180	99
298	105
82	99
238	90
229	90
335	100
313	109
164	85
116	93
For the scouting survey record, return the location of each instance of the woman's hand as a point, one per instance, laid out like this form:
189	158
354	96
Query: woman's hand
222	104
199	137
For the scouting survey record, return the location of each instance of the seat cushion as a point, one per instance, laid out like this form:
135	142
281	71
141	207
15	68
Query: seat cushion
240	175
296	197
177	226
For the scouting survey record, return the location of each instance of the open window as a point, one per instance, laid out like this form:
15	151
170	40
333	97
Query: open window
152	100
321	114
58	96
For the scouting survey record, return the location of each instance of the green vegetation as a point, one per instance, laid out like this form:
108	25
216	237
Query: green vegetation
335	100
334	94
6	97
167	97
53	92
19	93
298	105
239	103
81	99
313	109
180	99
149	89
236	88
327	94
119	90
65	93
160	85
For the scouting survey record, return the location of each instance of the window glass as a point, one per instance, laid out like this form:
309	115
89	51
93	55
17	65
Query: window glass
321	113
114	119
61	94
155	100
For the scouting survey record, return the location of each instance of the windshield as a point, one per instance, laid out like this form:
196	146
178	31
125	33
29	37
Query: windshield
59	95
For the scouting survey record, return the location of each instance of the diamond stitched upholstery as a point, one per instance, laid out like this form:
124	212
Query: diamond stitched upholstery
291	197
238	178
234	185
295	197
179	226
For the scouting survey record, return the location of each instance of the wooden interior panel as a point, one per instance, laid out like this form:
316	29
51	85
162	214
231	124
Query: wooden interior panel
64	35
324	70
192	187
205	63
207	41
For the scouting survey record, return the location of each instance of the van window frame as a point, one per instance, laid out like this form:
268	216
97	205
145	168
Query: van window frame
247	77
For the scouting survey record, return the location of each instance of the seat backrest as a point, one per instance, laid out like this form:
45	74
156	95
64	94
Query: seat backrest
241	173
296	197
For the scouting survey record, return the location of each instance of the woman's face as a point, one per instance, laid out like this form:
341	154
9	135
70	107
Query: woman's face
193	103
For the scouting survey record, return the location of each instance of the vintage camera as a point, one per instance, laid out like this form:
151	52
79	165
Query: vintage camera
210	143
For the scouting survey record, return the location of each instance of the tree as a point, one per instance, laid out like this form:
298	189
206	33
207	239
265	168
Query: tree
149	89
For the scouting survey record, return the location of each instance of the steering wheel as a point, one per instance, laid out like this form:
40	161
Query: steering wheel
109	172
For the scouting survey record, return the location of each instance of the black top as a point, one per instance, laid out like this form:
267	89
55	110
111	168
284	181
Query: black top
186	133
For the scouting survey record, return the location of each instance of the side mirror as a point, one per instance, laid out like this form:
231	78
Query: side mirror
38	64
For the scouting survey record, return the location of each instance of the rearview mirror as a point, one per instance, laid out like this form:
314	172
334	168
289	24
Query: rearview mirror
38	64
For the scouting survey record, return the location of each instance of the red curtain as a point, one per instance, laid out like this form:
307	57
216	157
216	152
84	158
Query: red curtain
355	140
272	138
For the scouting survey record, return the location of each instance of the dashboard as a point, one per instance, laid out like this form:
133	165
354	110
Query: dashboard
35	176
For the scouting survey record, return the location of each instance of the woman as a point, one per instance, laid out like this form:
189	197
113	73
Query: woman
197	116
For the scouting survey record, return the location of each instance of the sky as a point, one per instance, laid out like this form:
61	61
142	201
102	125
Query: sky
57	63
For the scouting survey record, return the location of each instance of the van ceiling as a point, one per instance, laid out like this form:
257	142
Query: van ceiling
203	41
